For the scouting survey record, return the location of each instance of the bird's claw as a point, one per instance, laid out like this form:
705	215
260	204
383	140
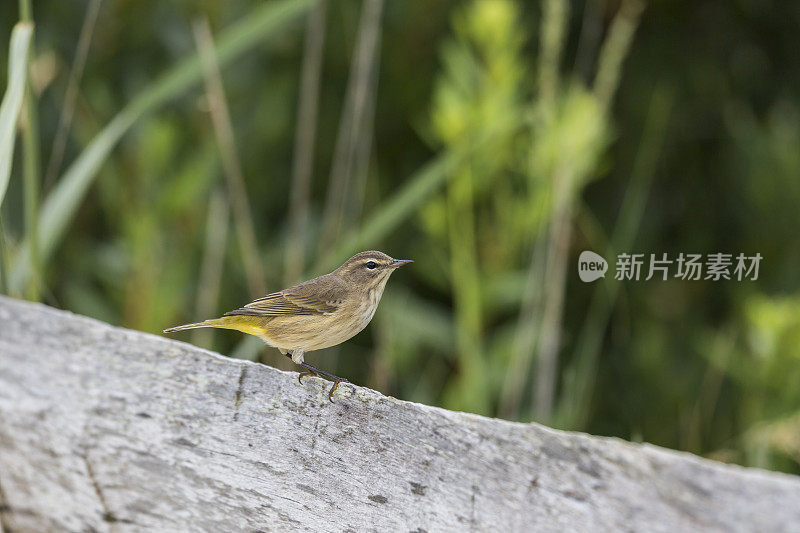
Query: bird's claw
335	385
311	371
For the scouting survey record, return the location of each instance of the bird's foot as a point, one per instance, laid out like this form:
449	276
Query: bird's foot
311	371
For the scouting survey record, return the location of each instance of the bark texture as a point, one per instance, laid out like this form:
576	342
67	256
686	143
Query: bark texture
105	429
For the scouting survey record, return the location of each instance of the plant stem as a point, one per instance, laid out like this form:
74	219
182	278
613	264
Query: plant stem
31	148
71	96
223	129
3	259
555	286
580	376
470	387
211	270
352	123
615	50
303	165
528	329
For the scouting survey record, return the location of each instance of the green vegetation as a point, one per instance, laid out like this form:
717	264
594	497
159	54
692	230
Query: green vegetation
163	162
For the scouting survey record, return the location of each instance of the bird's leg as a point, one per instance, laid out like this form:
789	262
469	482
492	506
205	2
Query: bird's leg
311	371
297	356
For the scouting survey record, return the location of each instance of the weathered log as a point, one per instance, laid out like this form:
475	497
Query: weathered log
107	429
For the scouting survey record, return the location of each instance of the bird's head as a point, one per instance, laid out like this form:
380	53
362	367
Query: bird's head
369	270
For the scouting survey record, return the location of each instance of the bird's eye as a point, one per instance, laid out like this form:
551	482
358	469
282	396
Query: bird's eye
371	265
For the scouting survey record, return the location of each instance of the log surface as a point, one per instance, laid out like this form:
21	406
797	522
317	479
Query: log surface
106	429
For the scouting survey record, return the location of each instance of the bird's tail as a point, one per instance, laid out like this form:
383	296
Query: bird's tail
212	323
246	324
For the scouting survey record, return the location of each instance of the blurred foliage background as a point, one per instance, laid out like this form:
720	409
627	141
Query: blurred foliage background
168	161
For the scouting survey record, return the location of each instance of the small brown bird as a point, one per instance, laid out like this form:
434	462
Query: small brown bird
316	314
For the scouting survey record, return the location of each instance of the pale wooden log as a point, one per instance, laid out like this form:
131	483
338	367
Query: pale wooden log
105	429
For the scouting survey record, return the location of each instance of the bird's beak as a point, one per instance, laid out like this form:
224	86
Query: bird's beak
400	262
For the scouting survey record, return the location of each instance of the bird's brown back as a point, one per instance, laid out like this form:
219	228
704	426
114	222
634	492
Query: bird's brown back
321	295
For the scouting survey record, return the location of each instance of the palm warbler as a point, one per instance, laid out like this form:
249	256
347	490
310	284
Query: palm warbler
318	313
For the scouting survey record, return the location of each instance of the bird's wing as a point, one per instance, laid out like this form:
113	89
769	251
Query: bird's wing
308	298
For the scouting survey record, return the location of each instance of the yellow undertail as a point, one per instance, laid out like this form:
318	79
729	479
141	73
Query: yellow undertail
246	324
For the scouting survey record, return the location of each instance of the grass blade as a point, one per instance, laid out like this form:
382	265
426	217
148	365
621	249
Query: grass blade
554	24
211	270
579	377
30	170
418	188
223	129
615	49
305	137
356	117
71	96
389	215
12	100
62	204
528	329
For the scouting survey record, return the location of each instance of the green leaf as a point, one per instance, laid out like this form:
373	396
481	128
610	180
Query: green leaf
12	100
